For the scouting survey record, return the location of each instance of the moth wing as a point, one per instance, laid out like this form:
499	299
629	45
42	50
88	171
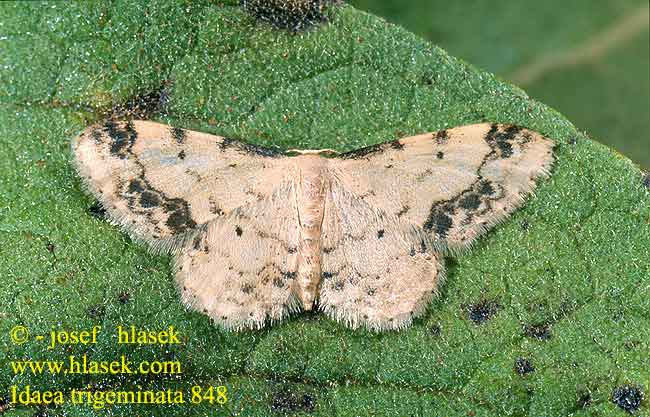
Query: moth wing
241	270
161	182
377	271
456	183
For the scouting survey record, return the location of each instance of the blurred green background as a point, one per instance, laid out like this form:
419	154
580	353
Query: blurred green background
586	58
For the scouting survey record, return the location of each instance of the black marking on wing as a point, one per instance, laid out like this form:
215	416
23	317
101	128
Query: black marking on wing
363	152
141	196
178	134
476	200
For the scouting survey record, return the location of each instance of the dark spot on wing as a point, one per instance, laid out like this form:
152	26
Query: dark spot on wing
238	231
501	141
380	233
396	144
506	149
291	249
247	288
523	366
338	286
149	199
178	134
485	188
181	155
371	291
438	222
442	137
403	211
277	282
289	275
471	201
122	138
440	155
328	275
363	152
136	185
628	398
482	311
179	219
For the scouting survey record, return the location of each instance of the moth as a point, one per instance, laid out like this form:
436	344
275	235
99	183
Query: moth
258	234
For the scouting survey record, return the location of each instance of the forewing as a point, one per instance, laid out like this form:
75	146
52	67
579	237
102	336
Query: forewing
378	271
162	182
241	270
455	183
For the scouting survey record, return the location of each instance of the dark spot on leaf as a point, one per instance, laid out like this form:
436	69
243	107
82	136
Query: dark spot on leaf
525	225
573	140
143	106
123	297
287	400
538	331
646	180
523	366
380	233
628	398
96	311
483	311
584	399
293	15
435	330
50	247
238	231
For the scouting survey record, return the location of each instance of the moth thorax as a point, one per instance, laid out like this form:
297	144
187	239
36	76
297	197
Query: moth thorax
311	206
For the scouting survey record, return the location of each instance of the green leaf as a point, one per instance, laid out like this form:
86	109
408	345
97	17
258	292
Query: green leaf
589	62
566	277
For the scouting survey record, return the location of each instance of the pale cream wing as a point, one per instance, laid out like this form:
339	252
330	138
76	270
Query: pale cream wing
241	270
455	183
162	182
377	270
